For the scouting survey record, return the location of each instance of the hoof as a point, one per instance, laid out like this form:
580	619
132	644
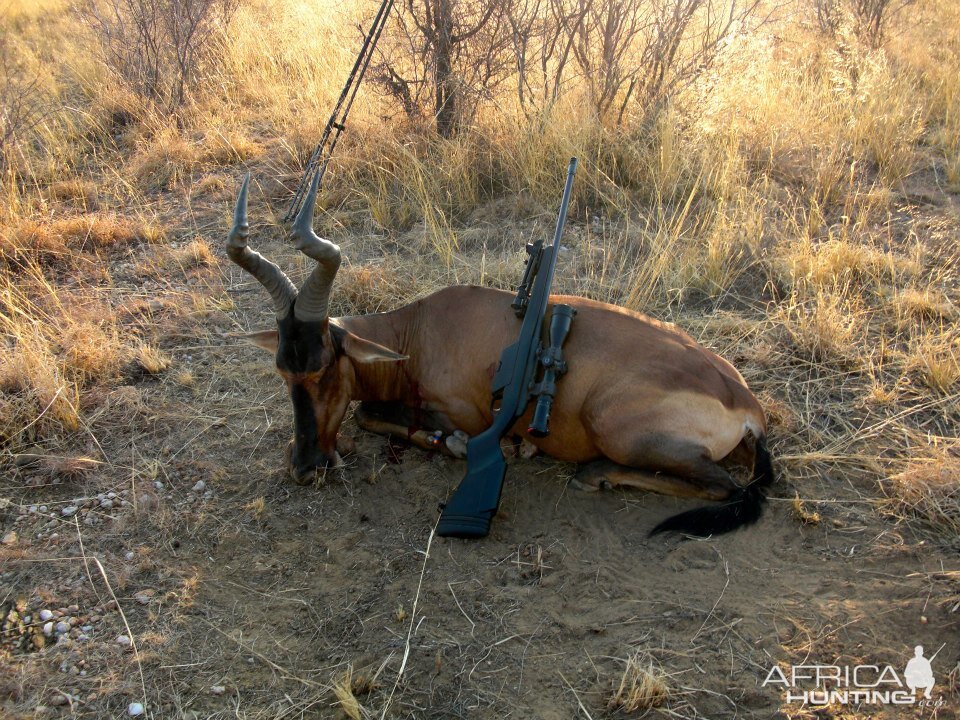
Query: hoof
456	443
346	445
582	486
528	449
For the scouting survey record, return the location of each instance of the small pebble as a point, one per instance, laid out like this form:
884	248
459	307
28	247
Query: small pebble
10	538
129	555
217	689
45	614
69	510
43	508
33	508
135	709
86	628
123	640
106	503
200	486
48	628
158	485
63	627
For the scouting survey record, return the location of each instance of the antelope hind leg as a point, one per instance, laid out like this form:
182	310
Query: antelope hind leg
604	474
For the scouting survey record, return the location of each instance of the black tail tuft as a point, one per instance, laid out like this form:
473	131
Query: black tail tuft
742	508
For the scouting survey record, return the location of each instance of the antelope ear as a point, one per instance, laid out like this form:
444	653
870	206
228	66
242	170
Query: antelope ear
265	339
366	351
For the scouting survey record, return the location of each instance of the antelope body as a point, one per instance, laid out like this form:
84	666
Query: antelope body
652	407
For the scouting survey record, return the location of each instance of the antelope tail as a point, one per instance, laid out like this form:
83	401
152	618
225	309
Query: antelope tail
742	508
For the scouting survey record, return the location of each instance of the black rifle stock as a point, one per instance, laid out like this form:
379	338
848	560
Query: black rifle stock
471	508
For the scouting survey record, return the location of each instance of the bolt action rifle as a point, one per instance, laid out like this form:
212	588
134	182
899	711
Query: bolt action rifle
472	506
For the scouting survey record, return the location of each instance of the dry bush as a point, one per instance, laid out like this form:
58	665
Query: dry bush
156	47
868	20
647	51
440	57
21	95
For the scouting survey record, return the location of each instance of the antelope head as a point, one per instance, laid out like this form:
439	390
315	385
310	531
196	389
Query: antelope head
315	356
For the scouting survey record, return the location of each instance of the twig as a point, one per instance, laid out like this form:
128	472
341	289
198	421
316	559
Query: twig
123	616
579	702
726	569
413	615
473	625
279	668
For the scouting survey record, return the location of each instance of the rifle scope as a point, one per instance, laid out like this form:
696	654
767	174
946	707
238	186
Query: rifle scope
554	366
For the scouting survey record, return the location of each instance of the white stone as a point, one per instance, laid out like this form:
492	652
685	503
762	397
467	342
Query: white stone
69	510
63	626
129	555
123	640
200	486
48	628
135	709
46	614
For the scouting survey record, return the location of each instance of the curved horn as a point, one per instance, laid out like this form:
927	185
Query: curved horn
269	275
314	297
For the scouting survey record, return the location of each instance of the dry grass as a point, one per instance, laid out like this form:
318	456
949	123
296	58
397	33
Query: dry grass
927	494
643	686
150	359
62	241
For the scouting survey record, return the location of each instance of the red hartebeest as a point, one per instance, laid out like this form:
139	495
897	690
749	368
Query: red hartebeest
641	395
